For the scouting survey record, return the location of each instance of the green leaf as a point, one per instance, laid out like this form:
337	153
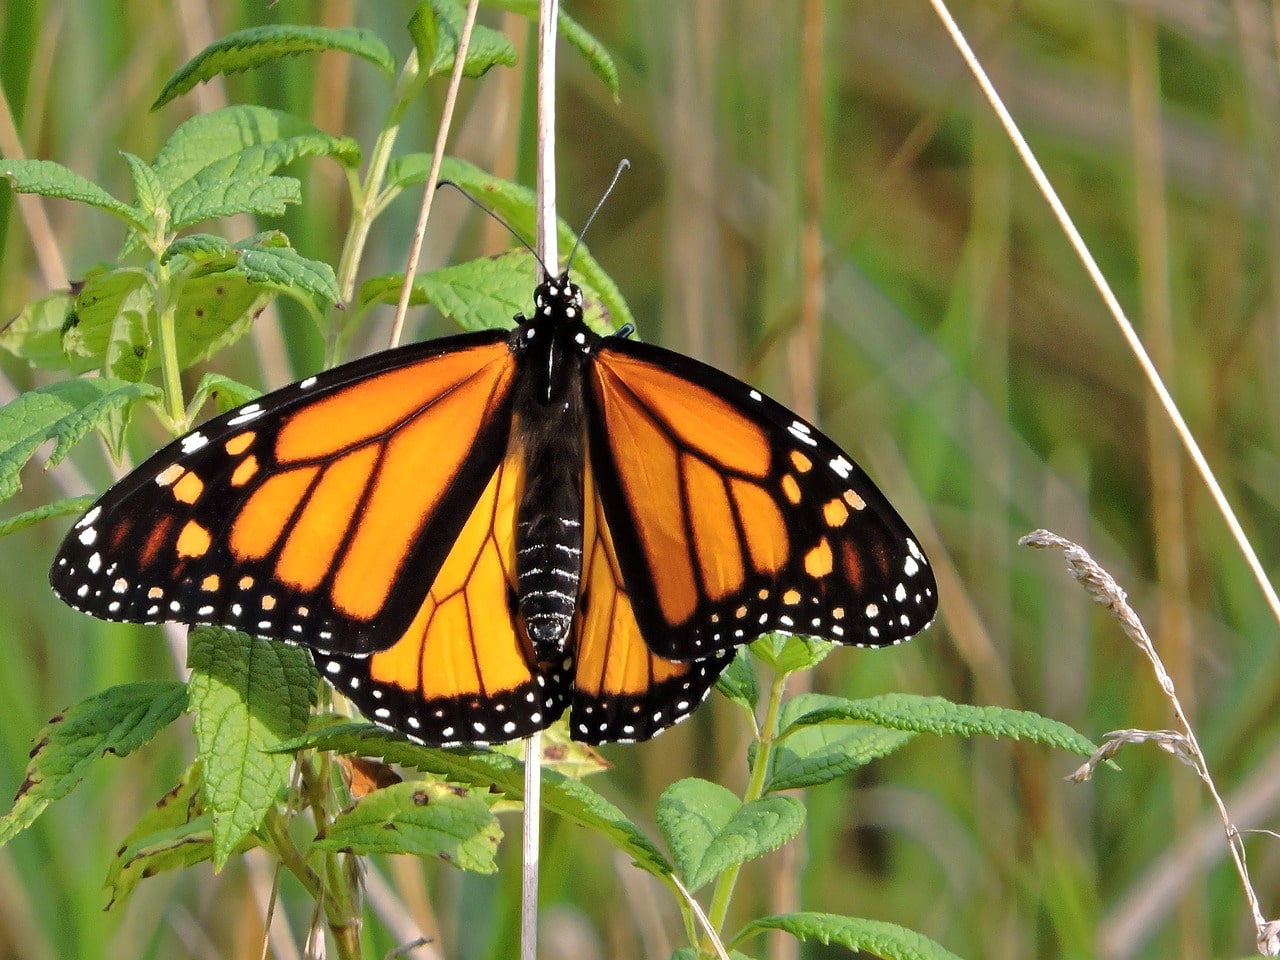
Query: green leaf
51	179
59	508
247	49
248	696
116	721
242	141
64	412
593	51
482	294
515	204
175	833
807	756
571	799
109	329
35	335
885	940
226	197
227	394
708	829
787	654
738	682
436	27
902	711
150	191
422	819
213	312
290	272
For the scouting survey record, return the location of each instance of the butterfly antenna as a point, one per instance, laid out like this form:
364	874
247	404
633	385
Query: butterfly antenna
510	229
622	165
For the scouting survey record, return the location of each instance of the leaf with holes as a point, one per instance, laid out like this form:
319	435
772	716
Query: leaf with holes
571	799
248	696
422	819
116	721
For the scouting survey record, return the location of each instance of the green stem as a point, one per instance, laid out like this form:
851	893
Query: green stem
365	198
166	315
723	893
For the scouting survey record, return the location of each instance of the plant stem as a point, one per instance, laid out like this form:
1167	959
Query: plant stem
723	892
166	310
365	200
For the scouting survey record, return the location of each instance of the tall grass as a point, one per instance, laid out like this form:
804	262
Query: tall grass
963	357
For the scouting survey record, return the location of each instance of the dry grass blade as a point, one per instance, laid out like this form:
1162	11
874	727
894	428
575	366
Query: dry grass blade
1183	744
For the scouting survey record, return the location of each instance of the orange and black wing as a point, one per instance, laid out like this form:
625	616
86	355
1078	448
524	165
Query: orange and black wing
463	671
732	517
320	513
622	690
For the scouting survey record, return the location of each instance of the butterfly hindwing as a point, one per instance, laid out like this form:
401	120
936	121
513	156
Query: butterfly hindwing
463	671
313	514
622	690
732	517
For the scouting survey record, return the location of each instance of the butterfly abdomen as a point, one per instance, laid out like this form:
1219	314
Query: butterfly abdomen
550	431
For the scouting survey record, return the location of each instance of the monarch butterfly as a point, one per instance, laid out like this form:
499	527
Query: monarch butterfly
475	533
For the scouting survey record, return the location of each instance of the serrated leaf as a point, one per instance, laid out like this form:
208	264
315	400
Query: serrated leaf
885	940
787	654
200	249
147	186
560	752
902	711
289	271
262	196
571	799
109	329
242	141
59	508
173	834
248	696
117	721
593	51
708	829
811	755
35	335
422	819
227	393
436	28
64	412
738	682
51	179
515	204
482	294
255	46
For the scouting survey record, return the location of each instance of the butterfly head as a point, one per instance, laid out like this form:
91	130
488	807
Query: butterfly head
557	299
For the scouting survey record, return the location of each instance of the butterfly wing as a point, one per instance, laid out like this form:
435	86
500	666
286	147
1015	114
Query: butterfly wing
318	513
463	672
622	690
732	517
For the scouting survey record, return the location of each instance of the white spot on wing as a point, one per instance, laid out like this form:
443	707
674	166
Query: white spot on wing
193	442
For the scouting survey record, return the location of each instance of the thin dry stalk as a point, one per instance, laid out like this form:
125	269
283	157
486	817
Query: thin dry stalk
442	138
1181	743
1113	305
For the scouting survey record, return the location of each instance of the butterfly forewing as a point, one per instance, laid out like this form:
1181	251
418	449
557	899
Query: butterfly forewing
732	517
313	514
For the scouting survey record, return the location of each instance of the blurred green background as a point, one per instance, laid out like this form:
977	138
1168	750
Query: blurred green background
844	224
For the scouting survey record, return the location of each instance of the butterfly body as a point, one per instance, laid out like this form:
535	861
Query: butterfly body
476	533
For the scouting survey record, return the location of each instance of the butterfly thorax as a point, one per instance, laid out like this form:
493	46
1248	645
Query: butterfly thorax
551	349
